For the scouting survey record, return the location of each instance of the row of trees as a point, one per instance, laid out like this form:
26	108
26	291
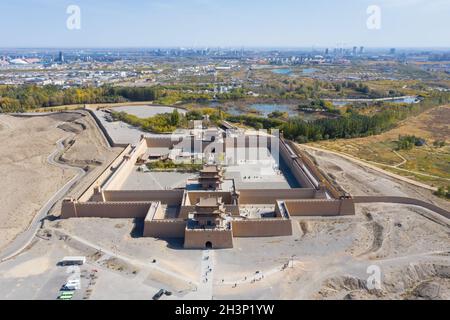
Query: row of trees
28	97
294	89
352	124
169	122
256	122
318	105
169	165
134	93
349	125
22	98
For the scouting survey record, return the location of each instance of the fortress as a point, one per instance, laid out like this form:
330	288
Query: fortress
244	184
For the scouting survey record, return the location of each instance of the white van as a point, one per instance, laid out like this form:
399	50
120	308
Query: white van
72	285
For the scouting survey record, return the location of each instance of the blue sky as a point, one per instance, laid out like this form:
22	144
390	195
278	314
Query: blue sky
226	23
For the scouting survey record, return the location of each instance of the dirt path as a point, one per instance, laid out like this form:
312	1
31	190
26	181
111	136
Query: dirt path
401	157
373	165
364	179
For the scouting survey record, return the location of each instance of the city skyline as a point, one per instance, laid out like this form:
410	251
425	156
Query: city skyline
218	23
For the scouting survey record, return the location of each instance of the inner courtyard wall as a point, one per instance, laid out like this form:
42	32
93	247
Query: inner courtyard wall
168	197
193	197
320	207
262	228
270	196
291	160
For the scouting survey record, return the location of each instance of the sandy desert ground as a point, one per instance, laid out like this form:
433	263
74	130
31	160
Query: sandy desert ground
28	179
326	258
361	180
409	245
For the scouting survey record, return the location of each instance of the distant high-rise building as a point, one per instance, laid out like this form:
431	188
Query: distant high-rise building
355	49
392	51
326	51
361	50
61	57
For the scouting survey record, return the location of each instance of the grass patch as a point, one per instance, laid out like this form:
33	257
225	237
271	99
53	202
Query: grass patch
169	165
430	159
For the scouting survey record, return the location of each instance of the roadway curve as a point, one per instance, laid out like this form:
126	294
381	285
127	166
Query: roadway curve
23	240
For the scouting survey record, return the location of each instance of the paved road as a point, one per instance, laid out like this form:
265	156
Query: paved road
24	239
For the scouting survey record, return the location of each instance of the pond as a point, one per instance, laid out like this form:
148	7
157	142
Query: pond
407	99
264	109
309	70
284	71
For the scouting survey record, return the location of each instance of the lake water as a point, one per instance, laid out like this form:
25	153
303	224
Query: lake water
266	109
410	100
284	71
287	71
309	70
405	100
263	109
146	111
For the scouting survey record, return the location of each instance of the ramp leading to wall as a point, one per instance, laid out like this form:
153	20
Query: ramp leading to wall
403	200
113	166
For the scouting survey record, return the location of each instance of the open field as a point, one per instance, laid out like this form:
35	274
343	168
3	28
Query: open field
427	164
29	161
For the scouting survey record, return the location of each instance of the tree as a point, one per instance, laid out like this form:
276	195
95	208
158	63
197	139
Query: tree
175	118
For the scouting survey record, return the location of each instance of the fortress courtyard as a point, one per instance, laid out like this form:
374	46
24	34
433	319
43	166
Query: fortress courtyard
210	186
